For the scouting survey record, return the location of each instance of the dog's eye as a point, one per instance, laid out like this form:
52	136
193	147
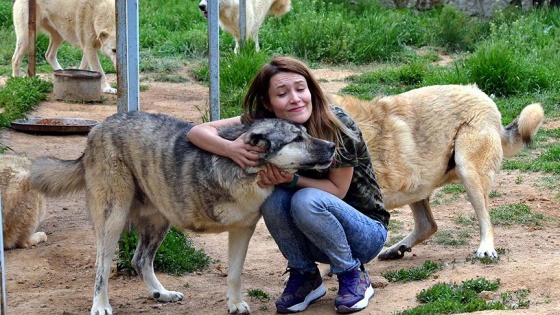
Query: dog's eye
298	139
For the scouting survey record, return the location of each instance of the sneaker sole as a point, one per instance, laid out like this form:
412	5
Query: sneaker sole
310	298
363	303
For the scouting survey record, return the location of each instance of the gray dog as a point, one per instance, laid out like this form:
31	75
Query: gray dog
141	167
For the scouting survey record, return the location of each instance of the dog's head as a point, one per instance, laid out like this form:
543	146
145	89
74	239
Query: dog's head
203	6
288	145
108	40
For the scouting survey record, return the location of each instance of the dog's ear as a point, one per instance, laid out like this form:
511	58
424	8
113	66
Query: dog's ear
257	140
103	35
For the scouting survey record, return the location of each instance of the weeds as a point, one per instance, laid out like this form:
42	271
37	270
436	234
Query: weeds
406	275
175	256
445	298
259	295
517	213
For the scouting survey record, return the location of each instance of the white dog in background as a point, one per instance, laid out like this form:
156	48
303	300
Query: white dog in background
256	12
87	24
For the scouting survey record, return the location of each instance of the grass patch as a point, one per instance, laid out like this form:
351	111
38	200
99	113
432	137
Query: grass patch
415	274
451	298
175	256
517	213
259	294
395	225
454	188
20	95
445	298
451	238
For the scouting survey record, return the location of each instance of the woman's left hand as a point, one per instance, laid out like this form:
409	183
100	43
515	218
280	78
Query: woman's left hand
271	175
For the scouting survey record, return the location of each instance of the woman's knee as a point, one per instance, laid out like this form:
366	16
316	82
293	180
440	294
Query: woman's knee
276	203
305	204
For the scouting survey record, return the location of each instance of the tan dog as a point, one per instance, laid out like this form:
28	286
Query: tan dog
427	137
87	24
23	208
256	12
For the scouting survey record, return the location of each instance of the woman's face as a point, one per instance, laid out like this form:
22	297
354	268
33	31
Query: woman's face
290	97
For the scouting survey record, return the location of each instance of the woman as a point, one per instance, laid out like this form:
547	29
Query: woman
333	216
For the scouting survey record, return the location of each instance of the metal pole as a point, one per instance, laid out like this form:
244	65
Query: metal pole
127	56
32	31
4	306
242	23
214	59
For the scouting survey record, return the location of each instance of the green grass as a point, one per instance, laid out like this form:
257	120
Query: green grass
451	237
508	215
175	256
446	298
452	298
415	274
21	95
517	213
258	294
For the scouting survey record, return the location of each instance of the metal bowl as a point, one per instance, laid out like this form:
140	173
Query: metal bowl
54	125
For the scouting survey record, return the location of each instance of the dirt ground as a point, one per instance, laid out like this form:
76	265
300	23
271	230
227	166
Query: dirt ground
57	277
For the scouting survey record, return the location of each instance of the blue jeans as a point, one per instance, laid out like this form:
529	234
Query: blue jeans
310	225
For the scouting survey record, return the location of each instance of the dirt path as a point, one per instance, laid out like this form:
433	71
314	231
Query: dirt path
57	277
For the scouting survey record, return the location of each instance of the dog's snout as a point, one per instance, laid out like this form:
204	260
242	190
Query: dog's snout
202	7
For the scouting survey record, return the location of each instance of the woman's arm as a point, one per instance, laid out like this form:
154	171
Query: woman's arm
337	183
205	136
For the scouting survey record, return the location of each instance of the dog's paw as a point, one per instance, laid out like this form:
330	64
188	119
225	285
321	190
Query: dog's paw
37	238
167	296
100	310
240	307
109	90
394	253
486	252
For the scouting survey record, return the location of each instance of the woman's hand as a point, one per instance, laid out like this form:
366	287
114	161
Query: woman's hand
245	155
271	175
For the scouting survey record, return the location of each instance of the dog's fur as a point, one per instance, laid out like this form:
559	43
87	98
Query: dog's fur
427	137
87	24
256	12
135	169
23	208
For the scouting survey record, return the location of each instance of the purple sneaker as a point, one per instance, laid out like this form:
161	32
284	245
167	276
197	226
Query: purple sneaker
354	291
301	290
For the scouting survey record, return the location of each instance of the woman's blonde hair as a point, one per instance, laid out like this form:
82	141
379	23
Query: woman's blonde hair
322	124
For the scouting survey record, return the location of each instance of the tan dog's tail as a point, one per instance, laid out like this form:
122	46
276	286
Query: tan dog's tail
522	129
54	177
280	7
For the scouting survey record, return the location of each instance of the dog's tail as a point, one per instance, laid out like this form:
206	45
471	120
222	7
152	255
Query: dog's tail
54	177
522	129
280	7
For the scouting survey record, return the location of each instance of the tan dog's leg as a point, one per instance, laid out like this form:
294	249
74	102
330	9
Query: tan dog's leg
54	42
83	63
22	47
90	54
478	157
238	242
424	227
